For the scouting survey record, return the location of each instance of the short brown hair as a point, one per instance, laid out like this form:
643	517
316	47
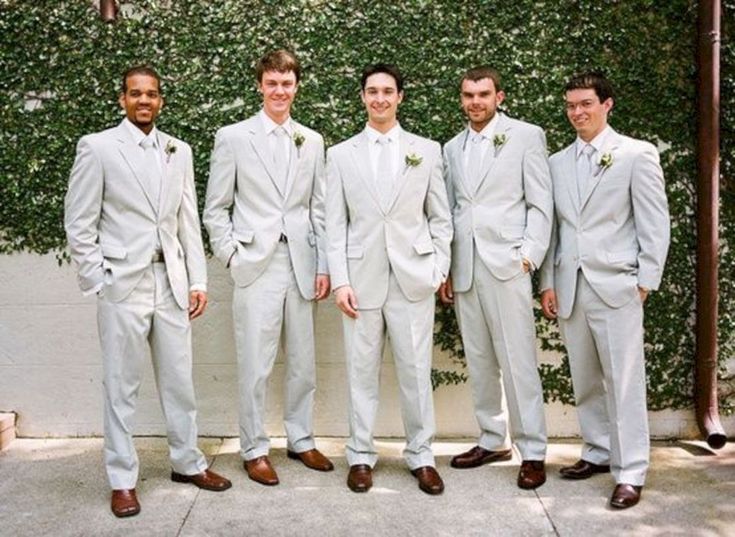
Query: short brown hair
594	80
140	70
385	68
280	60
480	72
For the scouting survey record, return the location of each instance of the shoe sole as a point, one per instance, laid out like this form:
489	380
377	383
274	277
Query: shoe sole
295	456
500	458
583	476
180	478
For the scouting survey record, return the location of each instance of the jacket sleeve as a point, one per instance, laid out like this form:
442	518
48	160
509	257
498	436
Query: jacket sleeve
220	197
651	215
82	210
336	224
189	230
318	208
438	214
539	199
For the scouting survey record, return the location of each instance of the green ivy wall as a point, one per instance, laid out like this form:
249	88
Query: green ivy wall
59	79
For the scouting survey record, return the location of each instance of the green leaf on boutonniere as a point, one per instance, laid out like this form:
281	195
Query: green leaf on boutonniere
413	160
169	150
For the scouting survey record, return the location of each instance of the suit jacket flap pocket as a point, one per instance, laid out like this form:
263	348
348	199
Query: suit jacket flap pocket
245	237
354	252
625	256
512	232
424	247
113	252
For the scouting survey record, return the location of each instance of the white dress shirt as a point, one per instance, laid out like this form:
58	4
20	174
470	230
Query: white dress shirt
486	133
374	148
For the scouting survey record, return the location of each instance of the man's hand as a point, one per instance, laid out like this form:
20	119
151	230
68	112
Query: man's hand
321	286
643	293
197	303
548	303
446	292
526	265
346	301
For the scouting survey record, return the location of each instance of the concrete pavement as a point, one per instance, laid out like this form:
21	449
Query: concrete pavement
57	487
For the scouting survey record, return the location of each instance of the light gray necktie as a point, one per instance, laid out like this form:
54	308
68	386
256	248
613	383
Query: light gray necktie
384	172
474	160
152	161
280	156
584	170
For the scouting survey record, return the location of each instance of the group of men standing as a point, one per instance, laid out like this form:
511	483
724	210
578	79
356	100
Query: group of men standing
386	223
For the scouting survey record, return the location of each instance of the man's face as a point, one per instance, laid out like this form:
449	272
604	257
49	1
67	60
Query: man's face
279	90
141	101
586	113
381	98
480	101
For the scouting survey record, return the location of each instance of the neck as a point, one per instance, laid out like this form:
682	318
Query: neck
588	137
383	127
478	126
279	119
147	128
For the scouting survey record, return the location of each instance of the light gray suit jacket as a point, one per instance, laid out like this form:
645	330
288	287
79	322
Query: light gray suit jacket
242	178
508	214
618	235
411	236
112	224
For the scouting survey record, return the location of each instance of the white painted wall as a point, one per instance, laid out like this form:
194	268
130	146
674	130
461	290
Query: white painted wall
51	374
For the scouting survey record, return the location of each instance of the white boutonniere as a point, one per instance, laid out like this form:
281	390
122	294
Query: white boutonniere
499	140
606	160
169	150
298	140
413	160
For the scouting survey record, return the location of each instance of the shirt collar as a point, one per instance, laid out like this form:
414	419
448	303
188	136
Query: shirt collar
269	125
598	142
392	134
138	135
488	131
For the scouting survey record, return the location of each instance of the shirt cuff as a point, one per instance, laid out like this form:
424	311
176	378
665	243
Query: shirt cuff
198	287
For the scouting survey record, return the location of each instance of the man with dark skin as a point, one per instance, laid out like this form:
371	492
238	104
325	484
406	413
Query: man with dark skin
133	231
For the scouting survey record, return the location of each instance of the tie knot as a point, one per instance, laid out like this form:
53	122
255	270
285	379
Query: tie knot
280	132
383	140
148	142
477	138
588	150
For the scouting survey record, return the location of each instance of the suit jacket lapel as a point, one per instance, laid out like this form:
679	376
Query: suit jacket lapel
405	148
132	154
491	155
361	156
295	157
569	175
611	144
259	141
169	164
456	154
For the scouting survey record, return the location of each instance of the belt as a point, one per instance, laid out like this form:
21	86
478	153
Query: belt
282	238
157	257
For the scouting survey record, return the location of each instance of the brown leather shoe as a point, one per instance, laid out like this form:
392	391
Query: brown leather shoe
312	459
583	469
360	478
207	480
532	474
262	471
625	496
429	480
124	503
478	456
